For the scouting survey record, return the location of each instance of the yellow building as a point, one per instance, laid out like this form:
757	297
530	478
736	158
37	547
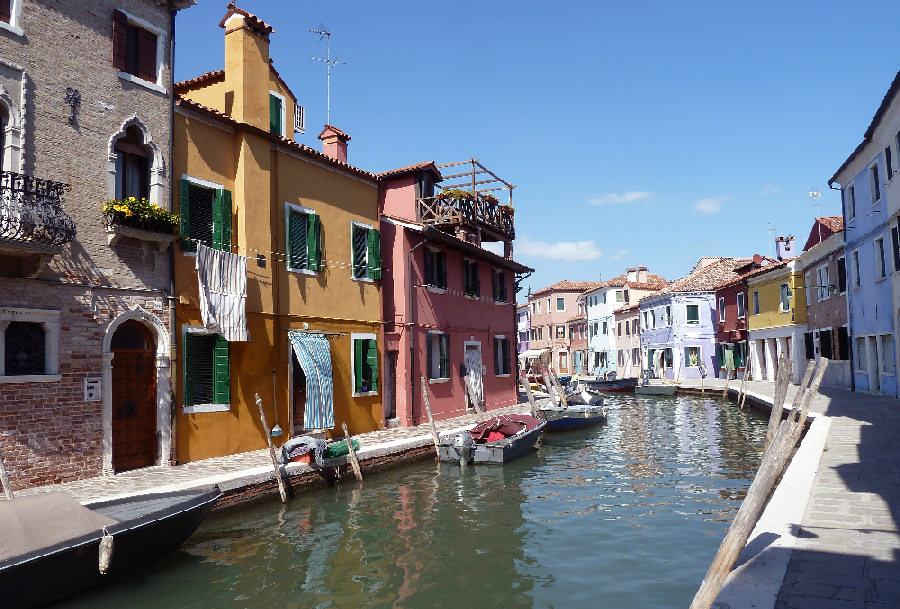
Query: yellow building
306	223
777	320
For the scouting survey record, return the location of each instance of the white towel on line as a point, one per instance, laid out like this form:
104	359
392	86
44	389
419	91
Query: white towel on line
223	292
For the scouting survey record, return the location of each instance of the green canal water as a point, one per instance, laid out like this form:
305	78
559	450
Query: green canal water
624	515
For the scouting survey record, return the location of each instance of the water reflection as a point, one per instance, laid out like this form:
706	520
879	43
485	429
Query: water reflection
600	517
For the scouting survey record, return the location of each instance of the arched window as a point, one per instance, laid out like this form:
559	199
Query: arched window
132	165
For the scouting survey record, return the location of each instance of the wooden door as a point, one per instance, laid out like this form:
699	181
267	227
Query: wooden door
133	408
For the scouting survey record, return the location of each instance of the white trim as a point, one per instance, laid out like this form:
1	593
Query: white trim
201	182
416	227
355	336
12	153
198	408
283	106
140	82
15	18
157	169
287	237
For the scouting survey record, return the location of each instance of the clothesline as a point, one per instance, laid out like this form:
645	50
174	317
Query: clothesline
280	256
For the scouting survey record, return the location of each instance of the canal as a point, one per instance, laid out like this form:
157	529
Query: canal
624	515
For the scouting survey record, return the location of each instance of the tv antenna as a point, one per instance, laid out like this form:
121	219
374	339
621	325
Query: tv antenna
323	33
815	196
771	232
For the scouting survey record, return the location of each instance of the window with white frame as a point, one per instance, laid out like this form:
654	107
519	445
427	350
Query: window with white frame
501	356
875	183
560	331
692	356
29	345
10	14
605	328
303	236
784	298
364	363
138	49
741	312
842	274
854	268
207	371
560	303
620	296
563	361
880	272
437	356
548	306
808	289
365	247
860	352
756	302
276	113
888	170
721	309
646	326
692	314
436	268
653	318
895	245
669	315
886	357
822	280
850	202
205	214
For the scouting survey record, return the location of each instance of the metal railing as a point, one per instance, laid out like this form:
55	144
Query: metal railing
31	210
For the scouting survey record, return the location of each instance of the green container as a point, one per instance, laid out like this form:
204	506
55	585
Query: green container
339	449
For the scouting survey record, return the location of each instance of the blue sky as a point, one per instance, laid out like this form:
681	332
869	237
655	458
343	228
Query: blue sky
636	133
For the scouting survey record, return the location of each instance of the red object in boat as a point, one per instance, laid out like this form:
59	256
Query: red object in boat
507	425
494	436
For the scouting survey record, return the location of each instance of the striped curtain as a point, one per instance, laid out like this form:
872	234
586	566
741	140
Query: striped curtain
314	354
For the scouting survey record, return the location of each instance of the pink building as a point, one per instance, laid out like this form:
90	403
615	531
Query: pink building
551	309
449	304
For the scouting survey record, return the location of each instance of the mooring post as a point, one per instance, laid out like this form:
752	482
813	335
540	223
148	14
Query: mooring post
354	461
282	488
434	433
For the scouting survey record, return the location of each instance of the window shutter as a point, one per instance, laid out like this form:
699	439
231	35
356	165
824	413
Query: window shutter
442	269
506	366
119	39
477	279
374	253
226	220
190	369
429	370
495	291
217	220
358	358
275	114
497	351
221	372
445	356
372	361
297	243
430	275
184	215
146	55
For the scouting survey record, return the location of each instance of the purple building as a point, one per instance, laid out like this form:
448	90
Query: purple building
523	327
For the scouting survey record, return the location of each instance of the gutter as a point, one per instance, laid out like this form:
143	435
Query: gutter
173	333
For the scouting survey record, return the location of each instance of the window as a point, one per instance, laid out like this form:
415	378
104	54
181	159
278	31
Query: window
784	298
826	345
276	113
886	345
843	343
303	238
879	259
842	274
472	280
808	289
132	166
692	356
581	331
437	356
365	364
548	306
499	285
653	318
646	325
602	297
627	328
756	302
540	333
560	331
563	361
535	308
809	344
205	210
887	162
822	280
895	245
501	356
875	183
850	202
560	304
721	309
627	297
207	371
741	313
636	357
854	262
668	315
693	314
29	342
620	296
365	251
605	329
668	357
861	354
135	46
634	327
596	326
436	269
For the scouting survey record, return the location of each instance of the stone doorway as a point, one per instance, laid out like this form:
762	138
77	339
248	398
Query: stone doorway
133	397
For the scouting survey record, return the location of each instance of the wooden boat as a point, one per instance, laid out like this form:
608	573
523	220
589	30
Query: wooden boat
51	546
496	440
656	389
575	416
583	395
611	385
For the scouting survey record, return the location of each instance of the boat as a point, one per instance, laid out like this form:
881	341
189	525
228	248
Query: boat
614	384
577	416
52	546
497	440
581	394
656	389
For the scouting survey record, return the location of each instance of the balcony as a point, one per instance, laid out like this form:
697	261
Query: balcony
32	220
469	203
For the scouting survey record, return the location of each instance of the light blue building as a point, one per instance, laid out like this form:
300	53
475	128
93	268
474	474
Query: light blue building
870	231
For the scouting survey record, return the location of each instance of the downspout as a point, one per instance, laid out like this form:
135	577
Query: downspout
173	333
412	331
847	298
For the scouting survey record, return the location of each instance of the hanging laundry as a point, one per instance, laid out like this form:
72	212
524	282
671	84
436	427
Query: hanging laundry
223	292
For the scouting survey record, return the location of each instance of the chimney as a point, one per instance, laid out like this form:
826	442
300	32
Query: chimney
632	274
784	247
334	143
642	274
246	67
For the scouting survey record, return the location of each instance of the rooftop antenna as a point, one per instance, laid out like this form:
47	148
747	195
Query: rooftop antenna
815	196
771	232
323	33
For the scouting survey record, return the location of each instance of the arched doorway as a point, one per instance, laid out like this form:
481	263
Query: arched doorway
133	397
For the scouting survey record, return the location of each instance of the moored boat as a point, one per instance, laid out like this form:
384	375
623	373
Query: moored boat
656	389
576	416
496	440
51	546
598	384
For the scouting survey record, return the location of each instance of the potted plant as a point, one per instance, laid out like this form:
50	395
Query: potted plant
140	214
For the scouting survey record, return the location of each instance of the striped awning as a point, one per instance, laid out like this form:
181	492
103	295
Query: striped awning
314	354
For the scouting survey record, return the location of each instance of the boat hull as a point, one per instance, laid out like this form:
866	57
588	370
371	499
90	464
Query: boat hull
656	389
53	573
625	385
497	452
573	417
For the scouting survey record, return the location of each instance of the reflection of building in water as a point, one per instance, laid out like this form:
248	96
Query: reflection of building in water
635	441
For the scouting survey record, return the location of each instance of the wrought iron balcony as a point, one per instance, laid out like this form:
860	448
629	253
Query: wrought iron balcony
475	211
31	213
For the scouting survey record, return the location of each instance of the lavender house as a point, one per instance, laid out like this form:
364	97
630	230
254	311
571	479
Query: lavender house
678	324
523	328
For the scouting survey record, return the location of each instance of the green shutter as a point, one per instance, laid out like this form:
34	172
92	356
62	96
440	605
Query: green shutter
687	357
297	230
372	360
221	372
374	257
313	242
226	220
217	220
190	370
275	114
358	358
184	211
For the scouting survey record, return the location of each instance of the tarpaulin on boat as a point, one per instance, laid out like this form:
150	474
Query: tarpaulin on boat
314	354
507	424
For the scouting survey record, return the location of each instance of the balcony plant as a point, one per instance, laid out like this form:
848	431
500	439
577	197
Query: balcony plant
140	214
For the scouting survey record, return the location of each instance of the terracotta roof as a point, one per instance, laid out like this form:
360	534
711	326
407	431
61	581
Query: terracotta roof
744	271
706	279
765	269
402	171
569	286
822	229
627	309
209	78
304	150
577	318
331	130
253	22
654	282
870	131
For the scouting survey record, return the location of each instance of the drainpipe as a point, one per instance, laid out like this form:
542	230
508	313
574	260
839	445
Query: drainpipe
173	333
850	346
412	330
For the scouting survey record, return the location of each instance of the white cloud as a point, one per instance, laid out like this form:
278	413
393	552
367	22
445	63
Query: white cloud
567	251
626	197
768	189
710	205
618	256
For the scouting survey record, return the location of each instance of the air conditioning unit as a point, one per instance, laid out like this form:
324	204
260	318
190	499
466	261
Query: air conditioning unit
299	119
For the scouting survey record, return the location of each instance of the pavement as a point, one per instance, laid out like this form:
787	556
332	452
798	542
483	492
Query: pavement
828	538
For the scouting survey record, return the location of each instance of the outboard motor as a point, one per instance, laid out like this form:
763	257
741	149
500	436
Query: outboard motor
464	446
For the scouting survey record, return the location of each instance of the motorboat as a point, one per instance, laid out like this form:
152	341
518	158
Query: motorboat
496	440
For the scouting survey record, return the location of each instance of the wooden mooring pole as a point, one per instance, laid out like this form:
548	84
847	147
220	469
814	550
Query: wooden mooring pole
4	479
774	460
531	402
282	487
354	461
434	433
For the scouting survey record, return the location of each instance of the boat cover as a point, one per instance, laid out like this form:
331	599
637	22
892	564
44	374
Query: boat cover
32	522
506	424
